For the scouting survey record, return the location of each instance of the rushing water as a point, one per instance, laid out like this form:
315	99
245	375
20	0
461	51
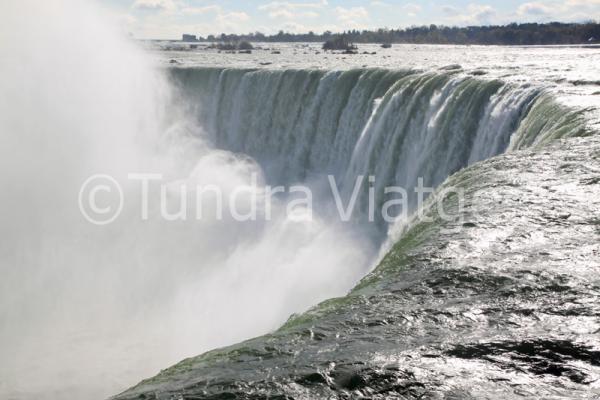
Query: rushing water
396	125
395	333
500	301
86	311
568	71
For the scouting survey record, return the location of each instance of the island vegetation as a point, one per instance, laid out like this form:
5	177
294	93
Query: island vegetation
242	45
554	33
339	43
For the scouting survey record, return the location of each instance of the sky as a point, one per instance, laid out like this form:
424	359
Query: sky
169	19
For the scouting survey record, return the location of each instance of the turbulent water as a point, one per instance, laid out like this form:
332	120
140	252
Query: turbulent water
398	126
499	300
458	308
478	305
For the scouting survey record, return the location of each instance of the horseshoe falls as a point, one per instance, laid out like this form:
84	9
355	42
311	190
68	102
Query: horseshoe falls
458	301
142	238
397	126
461	300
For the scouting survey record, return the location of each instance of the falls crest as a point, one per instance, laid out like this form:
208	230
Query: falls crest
398	126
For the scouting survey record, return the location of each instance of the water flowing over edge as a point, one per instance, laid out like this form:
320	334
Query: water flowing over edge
397	124
87	311
475	307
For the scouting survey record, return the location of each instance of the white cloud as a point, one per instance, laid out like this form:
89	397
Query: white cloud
481	14
232	18
285	5
579	10
475	14
168	18
288	14
527	11
412	9
154	5
582	3
450	10
534	9
201	10
567	11
353	16
282	13
288	10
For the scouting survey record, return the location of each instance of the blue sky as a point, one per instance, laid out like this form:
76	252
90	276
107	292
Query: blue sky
168	19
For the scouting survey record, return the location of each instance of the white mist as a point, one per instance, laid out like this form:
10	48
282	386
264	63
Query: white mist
86	311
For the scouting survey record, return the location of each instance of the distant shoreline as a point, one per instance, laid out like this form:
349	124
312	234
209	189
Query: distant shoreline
531	34
206	44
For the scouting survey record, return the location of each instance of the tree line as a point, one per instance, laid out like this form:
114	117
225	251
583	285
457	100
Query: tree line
512	34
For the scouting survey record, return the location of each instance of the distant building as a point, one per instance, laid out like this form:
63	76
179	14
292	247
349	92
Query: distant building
189	38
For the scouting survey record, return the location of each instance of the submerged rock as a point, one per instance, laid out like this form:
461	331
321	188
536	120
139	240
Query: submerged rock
478	73
452	67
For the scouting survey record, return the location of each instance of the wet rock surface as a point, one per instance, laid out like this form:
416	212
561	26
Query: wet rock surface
502	300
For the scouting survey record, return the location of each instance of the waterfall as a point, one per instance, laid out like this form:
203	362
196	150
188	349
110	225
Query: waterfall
87	310
397	126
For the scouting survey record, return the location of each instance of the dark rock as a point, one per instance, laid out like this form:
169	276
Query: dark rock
339	43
